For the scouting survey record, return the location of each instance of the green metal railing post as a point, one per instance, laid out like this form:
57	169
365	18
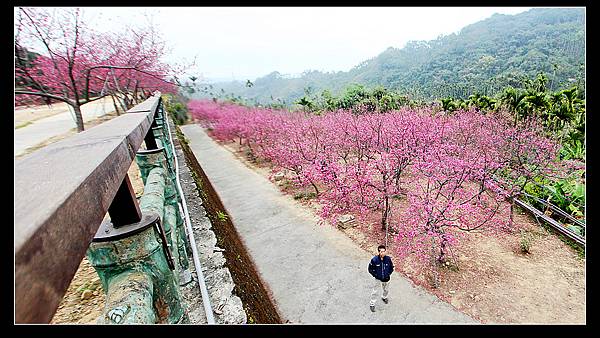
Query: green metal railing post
161	112
137	262
139	249
162	134
147	160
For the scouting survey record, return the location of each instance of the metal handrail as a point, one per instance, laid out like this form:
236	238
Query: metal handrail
201	281
553	223
63	191
556	209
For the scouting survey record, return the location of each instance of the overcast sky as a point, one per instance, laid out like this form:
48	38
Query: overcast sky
246	43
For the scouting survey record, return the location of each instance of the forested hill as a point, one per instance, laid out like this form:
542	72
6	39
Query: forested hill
483	57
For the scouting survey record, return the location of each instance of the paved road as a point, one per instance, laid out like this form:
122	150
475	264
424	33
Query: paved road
43	129
316	274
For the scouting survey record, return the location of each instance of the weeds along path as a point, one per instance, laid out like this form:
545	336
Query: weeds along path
314	273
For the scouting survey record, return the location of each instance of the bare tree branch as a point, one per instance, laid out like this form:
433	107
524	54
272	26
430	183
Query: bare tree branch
60	98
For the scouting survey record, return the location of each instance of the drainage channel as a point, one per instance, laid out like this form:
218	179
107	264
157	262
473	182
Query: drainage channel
248	285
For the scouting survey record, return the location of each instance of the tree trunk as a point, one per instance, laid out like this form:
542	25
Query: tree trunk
126	101
314	186
135	92
122	104
435	279
512	206
385	214
115	104
78	118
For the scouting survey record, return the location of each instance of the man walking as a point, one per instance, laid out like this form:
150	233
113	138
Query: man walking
380	267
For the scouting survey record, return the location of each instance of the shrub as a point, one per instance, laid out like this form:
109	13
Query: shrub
525	241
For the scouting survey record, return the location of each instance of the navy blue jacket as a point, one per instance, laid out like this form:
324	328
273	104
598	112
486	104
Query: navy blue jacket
381	269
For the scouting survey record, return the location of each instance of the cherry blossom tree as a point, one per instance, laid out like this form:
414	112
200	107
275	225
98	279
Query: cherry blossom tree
78	65
446	166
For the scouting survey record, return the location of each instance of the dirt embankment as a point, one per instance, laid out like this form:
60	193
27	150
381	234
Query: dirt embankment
248	285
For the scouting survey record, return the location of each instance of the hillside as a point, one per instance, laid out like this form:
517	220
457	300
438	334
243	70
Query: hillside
483	57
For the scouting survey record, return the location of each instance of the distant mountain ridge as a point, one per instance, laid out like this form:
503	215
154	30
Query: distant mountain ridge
483	57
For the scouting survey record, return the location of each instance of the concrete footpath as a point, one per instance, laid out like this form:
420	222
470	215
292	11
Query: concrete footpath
316	274
43	129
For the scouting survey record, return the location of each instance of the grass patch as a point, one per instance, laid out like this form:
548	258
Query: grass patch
22	125
525	240
88	285
286	184
305	195
221	216
450	265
